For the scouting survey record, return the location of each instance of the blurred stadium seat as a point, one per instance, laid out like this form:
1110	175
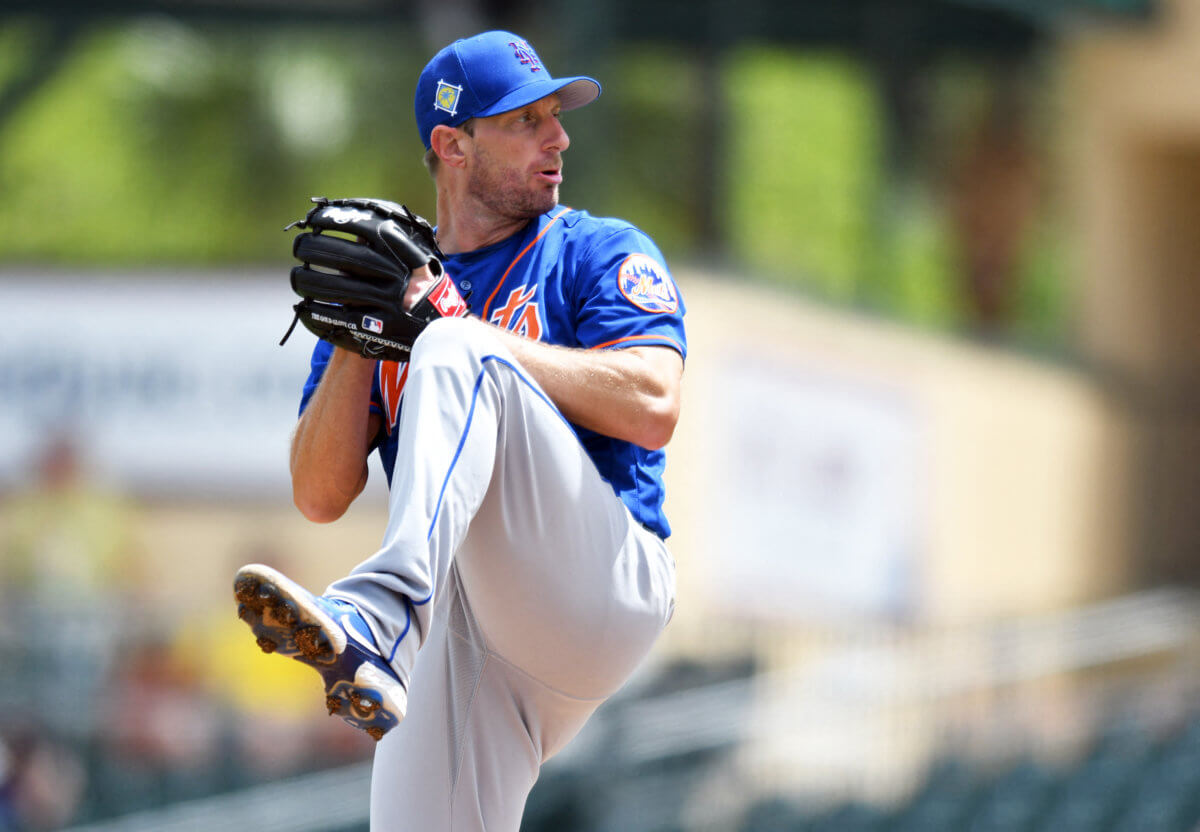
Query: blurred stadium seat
1129	781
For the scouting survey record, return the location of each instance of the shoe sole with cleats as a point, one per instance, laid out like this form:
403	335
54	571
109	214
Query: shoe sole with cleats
287	619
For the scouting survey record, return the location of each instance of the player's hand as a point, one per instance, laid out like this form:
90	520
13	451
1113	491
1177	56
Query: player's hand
419	284
370	278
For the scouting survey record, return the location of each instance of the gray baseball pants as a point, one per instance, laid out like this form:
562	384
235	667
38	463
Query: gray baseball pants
529	587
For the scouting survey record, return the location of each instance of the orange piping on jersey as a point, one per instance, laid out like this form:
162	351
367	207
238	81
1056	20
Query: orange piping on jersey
673	342
487	306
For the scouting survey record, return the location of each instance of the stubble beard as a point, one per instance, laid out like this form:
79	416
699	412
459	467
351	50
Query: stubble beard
504	191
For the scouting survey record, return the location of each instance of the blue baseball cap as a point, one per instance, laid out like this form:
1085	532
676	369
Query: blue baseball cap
490	73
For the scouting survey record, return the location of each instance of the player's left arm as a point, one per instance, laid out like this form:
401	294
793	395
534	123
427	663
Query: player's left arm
630	394
624	379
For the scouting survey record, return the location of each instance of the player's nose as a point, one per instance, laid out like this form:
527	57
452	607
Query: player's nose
556	138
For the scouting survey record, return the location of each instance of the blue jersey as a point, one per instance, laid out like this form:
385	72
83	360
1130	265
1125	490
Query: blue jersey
570	279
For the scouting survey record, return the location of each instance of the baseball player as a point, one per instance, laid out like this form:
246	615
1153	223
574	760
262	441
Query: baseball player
523	574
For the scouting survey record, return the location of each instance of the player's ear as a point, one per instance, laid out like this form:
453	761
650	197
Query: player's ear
448	144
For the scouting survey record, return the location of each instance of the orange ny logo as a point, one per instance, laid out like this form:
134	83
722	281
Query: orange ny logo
392	376
520	314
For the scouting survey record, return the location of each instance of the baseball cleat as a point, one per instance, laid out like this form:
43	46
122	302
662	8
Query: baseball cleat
329	635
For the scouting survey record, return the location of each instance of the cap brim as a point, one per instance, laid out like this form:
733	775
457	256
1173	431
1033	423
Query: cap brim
573	93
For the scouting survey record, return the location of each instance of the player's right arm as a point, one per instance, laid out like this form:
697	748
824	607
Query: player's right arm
333	439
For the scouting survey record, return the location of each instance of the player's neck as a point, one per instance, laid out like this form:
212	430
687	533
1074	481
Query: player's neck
456	237
466	226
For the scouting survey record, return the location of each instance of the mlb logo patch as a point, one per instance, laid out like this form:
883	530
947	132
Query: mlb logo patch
646	284
372	324
446	97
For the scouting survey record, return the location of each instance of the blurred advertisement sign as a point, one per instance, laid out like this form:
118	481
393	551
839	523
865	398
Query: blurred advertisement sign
821	489
164	384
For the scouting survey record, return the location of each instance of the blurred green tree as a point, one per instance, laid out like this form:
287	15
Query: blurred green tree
155	141
163	143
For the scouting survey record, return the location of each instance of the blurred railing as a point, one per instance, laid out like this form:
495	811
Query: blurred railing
323	802
863	713
860	714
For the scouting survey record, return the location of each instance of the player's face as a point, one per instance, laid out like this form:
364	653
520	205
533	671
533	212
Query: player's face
515	165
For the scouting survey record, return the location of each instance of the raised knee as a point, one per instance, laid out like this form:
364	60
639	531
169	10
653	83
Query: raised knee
449	338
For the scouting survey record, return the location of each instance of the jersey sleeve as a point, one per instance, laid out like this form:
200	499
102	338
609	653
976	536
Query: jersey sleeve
320	359
321	354
627	296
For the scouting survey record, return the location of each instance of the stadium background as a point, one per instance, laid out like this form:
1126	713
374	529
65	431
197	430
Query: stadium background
934	485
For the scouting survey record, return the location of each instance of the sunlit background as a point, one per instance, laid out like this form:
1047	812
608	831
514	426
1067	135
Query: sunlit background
936	485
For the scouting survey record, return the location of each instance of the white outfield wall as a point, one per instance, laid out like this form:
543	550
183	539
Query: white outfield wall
830	466
826	465
171	384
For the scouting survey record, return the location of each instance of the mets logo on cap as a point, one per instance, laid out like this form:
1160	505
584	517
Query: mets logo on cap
646	284
525	55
